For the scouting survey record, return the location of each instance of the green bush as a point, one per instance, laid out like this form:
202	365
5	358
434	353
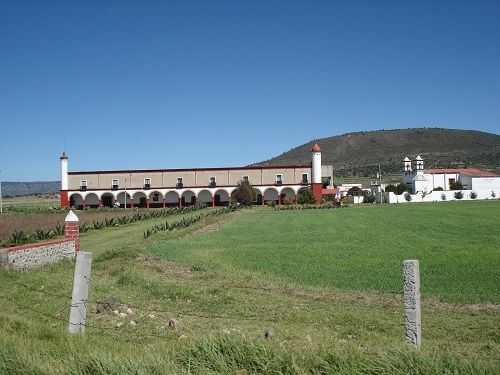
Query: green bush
439	188
443	197
473	195
390	188
244	193
458	195
369	198
305	196
457	185
401	188
408	197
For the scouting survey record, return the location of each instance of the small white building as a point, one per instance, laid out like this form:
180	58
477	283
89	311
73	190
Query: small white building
428	185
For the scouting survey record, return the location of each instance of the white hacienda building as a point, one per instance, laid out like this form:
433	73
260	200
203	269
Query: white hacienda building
429	185
181	187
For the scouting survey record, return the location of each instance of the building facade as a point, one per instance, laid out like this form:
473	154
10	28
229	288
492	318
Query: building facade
180	187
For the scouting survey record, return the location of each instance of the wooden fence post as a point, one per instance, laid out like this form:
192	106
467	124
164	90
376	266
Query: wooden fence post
411	295
79	299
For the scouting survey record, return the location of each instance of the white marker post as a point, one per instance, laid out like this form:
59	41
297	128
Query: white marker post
79	299
413	324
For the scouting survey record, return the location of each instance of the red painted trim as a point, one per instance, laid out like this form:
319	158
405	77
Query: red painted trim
37	244
192	169
64	199
317	190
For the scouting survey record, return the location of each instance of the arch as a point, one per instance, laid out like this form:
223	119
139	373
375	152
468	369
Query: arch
155	199
92	200
139	199
120	199
205	196
172	198
188	198
221	197
76	201
107	200
271	194
288	195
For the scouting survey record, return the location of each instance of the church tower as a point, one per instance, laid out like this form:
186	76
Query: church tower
317	185
64	180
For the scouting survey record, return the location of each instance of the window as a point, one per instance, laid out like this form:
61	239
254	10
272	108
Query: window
245	179
304	178
114	184
451	181
212	182
83	185
279	179
155	197
179	183
147	183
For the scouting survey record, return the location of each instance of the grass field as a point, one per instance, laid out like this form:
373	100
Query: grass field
327	282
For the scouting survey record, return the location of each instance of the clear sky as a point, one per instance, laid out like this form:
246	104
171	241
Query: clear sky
163	84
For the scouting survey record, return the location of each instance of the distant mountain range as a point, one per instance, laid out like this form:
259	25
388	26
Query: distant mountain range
16	189
359	154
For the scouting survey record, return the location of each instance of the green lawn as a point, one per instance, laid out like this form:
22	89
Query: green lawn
327	282
361	249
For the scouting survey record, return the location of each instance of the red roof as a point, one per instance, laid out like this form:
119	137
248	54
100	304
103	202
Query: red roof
316	148
473	172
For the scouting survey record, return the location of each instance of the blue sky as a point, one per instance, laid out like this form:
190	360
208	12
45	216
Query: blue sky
161	84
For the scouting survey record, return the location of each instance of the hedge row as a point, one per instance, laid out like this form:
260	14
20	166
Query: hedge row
188	221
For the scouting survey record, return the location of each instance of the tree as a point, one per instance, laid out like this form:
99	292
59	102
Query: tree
305	196
355	191
244	193
456	185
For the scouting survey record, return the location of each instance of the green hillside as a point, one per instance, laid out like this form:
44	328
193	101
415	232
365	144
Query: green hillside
358	154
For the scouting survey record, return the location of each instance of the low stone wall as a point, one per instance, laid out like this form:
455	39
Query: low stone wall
34	255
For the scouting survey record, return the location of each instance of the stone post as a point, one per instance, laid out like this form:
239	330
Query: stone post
79	298
411	295
4	259
72	229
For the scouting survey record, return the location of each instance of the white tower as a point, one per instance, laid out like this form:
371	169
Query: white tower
407	165
418	165
64	180
316	164
64	171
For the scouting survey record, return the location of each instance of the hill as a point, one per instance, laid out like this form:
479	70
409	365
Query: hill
17	189
359	154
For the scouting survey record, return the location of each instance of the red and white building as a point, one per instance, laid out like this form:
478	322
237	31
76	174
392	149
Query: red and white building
154	188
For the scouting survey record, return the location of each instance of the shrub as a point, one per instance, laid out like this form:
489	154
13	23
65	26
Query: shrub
355	191
391	188
244	193
457	185
401	188
493	195
305	196
443	197
473	195
458	195
439	188
369	198
408	197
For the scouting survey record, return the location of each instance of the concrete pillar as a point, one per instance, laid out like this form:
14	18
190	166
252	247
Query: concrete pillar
213	201
413	324
180	201
80	296
4	259
72	229
164	202
147	202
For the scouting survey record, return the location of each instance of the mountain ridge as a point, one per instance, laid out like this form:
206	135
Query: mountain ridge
360	153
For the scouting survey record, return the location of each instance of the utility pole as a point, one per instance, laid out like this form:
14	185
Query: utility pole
1	200
125	192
